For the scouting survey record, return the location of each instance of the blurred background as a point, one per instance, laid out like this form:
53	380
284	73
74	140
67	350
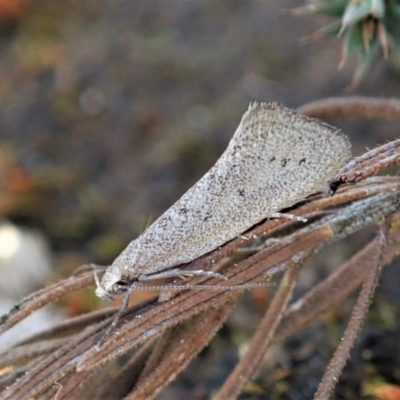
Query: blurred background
111	109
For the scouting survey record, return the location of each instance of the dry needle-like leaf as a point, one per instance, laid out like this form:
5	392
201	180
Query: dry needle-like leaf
154	341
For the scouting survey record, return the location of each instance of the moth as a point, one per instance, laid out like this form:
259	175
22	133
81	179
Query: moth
275	159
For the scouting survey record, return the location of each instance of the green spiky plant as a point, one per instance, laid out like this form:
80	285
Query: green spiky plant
368	28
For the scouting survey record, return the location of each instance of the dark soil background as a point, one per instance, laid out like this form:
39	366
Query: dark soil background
111	109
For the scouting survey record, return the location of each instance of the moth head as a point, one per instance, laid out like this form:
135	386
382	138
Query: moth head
112	285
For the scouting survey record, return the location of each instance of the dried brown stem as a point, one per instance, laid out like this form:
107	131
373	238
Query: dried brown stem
157	317
109	382
335	287
372	162
186	342
358	314
25	353
71	326
45	296
233	386
352	106
174	332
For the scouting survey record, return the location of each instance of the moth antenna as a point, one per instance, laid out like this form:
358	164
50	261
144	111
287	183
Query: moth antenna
213	287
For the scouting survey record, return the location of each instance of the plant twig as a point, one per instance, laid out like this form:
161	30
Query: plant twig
358	314
233	386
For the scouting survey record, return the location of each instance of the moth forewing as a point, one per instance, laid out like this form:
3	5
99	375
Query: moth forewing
275	159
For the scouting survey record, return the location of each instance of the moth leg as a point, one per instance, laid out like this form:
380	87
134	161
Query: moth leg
116	318
288	216
244	237
181	274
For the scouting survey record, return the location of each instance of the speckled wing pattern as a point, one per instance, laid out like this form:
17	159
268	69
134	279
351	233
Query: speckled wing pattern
275	159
